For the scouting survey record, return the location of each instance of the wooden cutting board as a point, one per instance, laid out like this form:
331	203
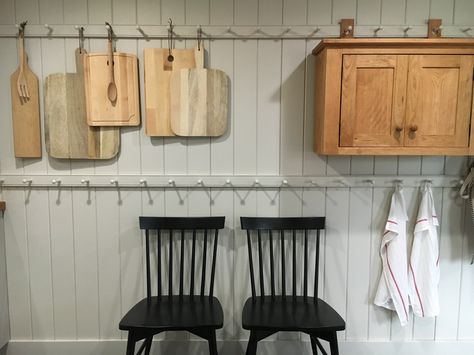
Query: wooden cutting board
100	111
157	86
25	110
67	134
199	100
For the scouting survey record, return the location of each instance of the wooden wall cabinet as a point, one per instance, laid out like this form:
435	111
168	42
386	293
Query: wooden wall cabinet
394	97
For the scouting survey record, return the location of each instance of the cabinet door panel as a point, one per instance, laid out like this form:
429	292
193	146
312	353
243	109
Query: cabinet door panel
439	100
373	100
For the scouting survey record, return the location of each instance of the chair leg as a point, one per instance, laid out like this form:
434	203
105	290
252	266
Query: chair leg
314	346
130	344
148	345
252	345
212	342
333	344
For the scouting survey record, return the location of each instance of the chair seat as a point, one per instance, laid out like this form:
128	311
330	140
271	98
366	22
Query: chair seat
174	313
290	314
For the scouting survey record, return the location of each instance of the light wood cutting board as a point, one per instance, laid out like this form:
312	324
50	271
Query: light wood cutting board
25	109
157	86
199	100
67	134
125	111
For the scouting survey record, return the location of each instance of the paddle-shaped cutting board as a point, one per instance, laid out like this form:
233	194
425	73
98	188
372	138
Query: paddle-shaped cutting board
25	111
157	86
67	135
199	100
125	110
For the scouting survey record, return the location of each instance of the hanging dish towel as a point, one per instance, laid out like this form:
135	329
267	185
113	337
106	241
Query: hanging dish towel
392	292
423	272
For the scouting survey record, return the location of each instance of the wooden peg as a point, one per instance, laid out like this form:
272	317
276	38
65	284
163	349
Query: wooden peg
434	28
3	206
347	28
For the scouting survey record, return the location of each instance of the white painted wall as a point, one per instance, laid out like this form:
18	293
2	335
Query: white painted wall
75	258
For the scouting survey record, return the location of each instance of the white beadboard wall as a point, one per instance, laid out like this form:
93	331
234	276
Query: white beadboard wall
75	260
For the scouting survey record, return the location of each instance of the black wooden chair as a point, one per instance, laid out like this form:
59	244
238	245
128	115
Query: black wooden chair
265	315
198	313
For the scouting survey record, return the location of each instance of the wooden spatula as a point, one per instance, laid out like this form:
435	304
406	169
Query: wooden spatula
199	100
25	106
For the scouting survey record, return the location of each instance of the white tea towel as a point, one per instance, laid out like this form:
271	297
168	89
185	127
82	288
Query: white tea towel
423	273
392	292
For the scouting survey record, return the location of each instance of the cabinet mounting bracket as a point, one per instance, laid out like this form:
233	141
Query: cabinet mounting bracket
346	28
434	28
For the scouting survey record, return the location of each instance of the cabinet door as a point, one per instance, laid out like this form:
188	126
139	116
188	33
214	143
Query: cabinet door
373	100
439	100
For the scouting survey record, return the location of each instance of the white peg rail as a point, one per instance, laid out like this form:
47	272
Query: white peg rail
258	182
226	32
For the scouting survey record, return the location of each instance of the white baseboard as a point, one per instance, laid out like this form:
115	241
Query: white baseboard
195	347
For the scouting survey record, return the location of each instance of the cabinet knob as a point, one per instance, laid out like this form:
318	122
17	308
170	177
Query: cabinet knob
414	128
398	129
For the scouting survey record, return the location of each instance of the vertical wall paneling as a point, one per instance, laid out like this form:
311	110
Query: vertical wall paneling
319	12
109	265
219	12
362	165
443	9
245	12
245	204
368	12
393	12
99	11
292	107
4	311
245	107
197	12
410	165
173	9
17	258
51	11
270	12
294	12
335	278
466	309
268	107
343	9
27	10
7	15
124	12
432	165
62	263
39	256
358	263
222	204
75	11
149	12
462	11
313	164
86	263
385	165
417	11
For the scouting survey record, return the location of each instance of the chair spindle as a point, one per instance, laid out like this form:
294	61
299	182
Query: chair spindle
148	277
158	252
204	258
283	286
213	269
272	271
316	268
170	258
252	277
294	264
193	259
260	263
305	271
181	267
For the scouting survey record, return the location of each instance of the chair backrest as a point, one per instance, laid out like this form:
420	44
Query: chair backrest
271	226
175	228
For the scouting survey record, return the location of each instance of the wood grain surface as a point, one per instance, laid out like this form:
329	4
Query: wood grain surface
157	86
201	107
125	111
67	134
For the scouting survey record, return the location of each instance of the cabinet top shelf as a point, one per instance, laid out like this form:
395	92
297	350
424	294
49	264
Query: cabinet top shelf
393	43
